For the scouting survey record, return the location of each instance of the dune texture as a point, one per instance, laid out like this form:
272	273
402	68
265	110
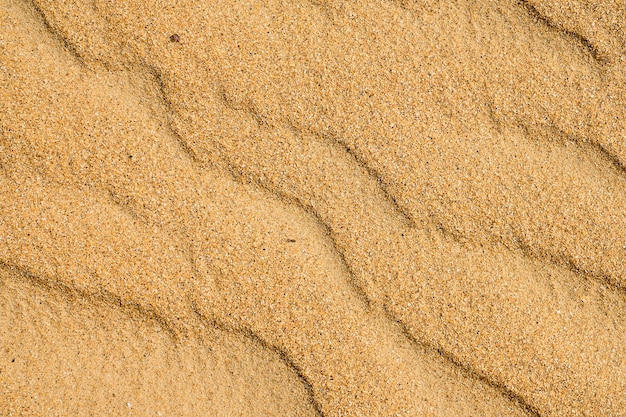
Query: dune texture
313	208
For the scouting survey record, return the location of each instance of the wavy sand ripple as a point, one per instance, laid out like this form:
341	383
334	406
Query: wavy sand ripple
399	208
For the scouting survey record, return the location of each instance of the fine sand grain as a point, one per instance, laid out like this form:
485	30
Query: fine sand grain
313	208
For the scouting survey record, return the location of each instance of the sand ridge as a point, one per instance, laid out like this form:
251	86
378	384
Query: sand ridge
416	207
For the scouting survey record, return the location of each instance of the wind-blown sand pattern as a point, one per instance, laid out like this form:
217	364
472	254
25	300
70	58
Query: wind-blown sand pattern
313	208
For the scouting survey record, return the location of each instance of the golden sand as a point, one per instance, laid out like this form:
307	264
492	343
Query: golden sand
313	208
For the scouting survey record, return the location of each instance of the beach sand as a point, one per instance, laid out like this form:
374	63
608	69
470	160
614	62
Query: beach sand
312	208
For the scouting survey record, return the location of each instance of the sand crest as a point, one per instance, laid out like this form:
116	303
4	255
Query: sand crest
392	208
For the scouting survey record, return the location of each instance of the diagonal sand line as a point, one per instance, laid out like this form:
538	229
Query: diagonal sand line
379	287
108	167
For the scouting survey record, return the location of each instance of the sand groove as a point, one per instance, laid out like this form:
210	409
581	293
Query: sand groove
399	222
576	37
163	353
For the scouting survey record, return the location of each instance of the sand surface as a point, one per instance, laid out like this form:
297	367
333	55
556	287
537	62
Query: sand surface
312	208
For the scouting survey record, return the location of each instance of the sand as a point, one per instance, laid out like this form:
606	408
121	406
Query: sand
312	208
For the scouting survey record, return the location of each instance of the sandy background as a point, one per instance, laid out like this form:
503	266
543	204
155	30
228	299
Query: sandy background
307	208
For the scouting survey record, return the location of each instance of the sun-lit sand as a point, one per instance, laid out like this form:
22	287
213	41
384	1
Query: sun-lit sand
312	208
